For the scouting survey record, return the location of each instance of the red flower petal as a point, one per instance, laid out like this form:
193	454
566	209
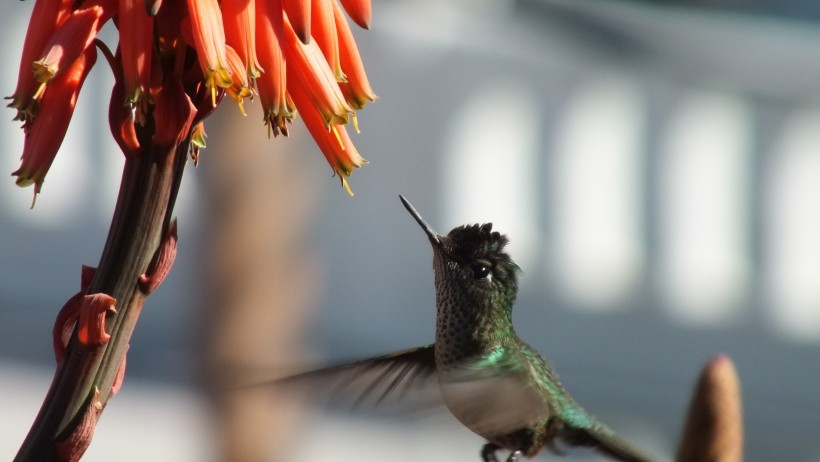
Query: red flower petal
240	32
357	89
359	11
298	12
46	16
45	133
323	30
307	65
136	48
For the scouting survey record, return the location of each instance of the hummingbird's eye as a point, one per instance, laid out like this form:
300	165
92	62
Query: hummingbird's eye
480	271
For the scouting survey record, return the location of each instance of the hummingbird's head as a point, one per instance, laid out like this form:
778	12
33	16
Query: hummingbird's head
478	254
471	264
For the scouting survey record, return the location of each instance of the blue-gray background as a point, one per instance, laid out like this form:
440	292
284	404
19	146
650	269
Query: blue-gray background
656	164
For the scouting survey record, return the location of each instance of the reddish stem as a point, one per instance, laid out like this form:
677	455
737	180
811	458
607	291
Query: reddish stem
142	217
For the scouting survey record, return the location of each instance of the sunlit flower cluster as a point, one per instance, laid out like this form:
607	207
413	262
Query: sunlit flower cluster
174	62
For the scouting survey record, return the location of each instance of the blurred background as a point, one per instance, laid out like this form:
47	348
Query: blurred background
656	165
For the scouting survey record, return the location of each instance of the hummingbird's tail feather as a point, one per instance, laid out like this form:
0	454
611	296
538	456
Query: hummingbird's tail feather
604	440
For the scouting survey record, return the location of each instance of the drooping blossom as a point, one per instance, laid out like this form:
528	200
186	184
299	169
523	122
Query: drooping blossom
292	54
45	133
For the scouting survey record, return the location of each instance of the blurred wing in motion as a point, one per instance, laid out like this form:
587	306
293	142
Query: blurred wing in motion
406	377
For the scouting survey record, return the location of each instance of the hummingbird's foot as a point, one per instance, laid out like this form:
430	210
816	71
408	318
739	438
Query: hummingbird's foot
514	456
488	452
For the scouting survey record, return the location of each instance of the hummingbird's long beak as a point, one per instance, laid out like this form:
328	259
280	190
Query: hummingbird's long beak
435	239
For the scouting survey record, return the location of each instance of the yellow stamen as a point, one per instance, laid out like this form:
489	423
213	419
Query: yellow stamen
39	93
338	137
346	186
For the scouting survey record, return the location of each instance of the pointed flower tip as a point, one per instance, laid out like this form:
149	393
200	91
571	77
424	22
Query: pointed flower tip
298	14
360	12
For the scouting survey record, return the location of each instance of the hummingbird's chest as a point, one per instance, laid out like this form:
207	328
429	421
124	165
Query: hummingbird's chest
455	339
464	335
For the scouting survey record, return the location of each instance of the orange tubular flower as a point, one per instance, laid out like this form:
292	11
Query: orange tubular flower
45	134
298	12
68	42
272	85
240	89
333	140
209	40
359	11
323	27
46	16
136	43
356	89
240	31
204	49
309	67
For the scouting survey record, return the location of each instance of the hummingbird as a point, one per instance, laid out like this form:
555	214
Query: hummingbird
491	381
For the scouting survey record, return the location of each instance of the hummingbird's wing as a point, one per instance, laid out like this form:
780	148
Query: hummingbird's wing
389	377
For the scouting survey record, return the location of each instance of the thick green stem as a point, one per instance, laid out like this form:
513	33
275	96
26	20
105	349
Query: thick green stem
141	218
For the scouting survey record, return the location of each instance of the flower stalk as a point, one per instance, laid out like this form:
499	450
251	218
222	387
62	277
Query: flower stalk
87	378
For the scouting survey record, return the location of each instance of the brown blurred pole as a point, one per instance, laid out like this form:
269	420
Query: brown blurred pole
714	426
261	282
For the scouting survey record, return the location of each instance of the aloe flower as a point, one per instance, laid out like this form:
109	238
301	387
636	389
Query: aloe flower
243	48
173	64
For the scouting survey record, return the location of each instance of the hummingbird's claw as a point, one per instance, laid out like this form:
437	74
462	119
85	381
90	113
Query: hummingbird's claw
488	452
514	456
